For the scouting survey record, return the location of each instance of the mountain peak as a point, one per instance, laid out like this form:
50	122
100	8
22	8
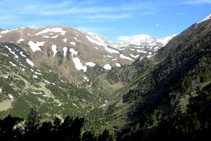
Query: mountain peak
205	19
55	40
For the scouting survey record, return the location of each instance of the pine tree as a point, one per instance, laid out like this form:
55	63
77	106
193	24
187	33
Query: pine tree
32	124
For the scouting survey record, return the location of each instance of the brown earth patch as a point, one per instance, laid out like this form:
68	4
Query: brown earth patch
119	103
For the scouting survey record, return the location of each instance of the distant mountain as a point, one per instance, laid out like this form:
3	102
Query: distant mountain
56	66
63	48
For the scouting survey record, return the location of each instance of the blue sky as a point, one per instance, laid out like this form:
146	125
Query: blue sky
110	18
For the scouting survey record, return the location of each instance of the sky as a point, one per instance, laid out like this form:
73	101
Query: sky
116	20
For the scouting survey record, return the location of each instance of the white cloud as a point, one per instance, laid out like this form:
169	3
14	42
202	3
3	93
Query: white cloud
121	16
159	26
131	6
78	10
147	13
6	17
124	38
58	5
195	2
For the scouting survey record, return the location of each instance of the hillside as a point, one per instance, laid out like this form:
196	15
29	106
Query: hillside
55	65
128	90
61	48
165	102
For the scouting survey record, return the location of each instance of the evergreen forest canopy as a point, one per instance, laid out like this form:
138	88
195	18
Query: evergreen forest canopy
165	97
33	129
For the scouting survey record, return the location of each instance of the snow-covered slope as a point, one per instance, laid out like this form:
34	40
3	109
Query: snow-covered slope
56	47
144	40
205	19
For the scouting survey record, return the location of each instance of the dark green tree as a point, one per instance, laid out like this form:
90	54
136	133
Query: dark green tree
46	131
88	136
104	136
32	124
7	131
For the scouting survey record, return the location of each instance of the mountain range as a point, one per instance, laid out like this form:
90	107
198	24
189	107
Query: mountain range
69	47
147	88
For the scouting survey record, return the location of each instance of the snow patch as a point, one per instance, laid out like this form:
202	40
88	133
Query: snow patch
12	64
65	51
21	53
29	62
91	64
10	50
165	40
77	39
43	31
47	82
142	58
73	43
135	39
118	65
60	30
141	51
65	40
36	93
107	67
125	57
35	76
5	31
156	48
111	50
134	56
38	73
109	56
10	96
86	78
46	37
149	56
20	40
54	49
35	46
205	19
78	64
73	52
95	42
53	37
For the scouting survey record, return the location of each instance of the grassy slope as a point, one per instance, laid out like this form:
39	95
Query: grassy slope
44	91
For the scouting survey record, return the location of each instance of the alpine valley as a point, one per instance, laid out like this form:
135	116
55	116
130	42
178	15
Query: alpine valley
150	88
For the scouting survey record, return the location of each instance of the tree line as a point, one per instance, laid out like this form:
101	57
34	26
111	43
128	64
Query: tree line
14	128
